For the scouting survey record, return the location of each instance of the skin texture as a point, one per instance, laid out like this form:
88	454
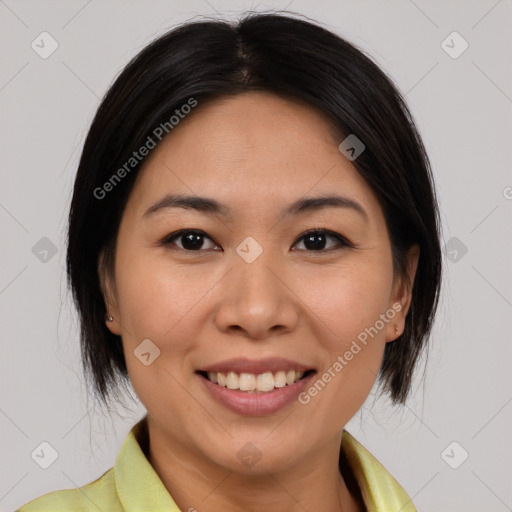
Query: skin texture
257	153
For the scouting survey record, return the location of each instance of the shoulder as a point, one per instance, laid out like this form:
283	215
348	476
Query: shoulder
100	494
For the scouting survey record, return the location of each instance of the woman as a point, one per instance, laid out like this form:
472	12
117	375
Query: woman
253	242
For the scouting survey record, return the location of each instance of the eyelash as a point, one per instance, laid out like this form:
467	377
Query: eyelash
169	239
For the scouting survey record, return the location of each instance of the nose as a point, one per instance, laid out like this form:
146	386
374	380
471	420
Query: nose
257	299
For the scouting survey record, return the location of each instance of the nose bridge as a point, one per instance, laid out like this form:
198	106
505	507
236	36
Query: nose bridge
256	299
256	278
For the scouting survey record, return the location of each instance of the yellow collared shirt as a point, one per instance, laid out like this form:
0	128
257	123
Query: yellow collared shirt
132	485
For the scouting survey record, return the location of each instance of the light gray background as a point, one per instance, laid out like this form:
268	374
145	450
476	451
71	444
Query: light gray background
463	110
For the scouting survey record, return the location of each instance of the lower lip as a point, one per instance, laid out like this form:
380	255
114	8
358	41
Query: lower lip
256	404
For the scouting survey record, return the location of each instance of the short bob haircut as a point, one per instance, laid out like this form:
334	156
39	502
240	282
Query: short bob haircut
292	58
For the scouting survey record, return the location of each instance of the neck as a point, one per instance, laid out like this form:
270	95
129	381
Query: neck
198	484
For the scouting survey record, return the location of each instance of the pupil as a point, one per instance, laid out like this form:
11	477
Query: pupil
315	245
193	241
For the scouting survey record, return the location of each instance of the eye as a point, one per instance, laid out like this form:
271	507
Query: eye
316	240
191	240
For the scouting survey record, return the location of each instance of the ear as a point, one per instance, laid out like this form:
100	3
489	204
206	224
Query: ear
108	290
402	295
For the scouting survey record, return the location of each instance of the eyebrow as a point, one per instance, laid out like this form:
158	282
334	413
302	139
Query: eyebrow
213	207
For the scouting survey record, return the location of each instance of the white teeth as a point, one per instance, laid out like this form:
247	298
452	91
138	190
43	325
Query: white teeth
280	379
263	382
221	379
232	380
247	382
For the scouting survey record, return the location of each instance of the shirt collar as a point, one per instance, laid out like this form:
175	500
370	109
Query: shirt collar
380	491
137	483
140	488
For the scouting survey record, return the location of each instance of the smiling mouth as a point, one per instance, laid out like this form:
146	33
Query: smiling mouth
264	382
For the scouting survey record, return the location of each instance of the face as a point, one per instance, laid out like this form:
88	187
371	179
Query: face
247	285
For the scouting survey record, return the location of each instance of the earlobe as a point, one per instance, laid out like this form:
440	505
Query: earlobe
406	282
112	326
403	295
108	296
396	322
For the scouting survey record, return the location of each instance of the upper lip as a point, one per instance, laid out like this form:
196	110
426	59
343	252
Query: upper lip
244	365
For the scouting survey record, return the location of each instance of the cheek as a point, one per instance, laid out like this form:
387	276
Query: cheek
349	300
159	303
155	298
348	304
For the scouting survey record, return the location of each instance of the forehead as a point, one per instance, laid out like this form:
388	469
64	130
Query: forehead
250	148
